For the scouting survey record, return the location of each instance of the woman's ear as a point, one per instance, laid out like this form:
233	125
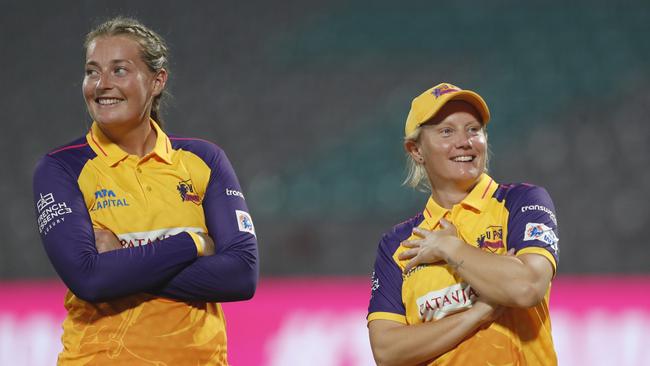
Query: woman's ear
413	149
159	81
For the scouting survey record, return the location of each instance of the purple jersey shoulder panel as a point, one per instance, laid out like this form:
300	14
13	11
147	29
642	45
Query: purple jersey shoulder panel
232	273
73	156
532	221
204	149
386	291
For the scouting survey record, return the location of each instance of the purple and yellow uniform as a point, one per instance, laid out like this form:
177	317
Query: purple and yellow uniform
494	218
154	302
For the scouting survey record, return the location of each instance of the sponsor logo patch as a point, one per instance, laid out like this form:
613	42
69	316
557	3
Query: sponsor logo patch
492	239
106	198
540	208
136	239
541	232
186	190
438	304
245	222
50	212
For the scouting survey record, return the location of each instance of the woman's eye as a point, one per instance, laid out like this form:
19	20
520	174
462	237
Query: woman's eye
474	130
446	131
120	71
90	72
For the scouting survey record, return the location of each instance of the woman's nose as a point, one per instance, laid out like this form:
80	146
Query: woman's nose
464	141
103	81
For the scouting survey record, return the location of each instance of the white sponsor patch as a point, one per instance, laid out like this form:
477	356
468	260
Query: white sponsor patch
541	232
130	240
438	304
50	212
244	222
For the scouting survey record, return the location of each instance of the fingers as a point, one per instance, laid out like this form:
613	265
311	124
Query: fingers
408	254
444	223
411	243
412	264
421	232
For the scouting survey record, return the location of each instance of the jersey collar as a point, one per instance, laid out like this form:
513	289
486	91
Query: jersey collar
477	199
112	153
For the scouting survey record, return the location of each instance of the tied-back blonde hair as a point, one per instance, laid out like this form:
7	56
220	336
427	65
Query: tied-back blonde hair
153	49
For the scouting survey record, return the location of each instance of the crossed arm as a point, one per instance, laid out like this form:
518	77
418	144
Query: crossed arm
171	267
500	280
394	343
513	281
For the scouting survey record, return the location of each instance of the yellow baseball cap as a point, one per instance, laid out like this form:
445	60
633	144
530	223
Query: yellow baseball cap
427	104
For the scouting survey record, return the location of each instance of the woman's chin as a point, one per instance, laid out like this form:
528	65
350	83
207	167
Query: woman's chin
467	178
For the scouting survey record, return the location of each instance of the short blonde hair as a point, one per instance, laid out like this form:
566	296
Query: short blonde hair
416	175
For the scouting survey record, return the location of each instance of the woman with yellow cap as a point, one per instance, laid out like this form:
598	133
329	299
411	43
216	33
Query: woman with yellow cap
466	281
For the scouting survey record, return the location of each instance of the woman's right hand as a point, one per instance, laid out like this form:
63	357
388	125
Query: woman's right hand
105	240
486	312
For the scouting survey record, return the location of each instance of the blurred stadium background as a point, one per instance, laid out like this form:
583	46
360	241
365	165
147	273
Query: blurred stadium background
308	98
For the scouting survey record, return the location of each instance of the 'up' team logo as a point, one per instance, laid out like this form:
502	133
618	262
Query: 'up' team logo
444	89
492	239
186	190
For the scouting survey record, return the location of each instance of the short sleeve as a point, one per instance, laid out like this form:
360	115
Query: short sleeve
386	292
532	223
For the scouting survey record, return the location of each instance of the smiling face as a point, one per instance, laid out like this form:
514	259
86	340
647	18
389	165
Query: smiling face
118	86
452	146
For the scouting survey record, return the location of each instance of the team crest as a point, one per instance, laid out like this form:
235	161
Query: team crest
186	190
444	89
492	239
245	222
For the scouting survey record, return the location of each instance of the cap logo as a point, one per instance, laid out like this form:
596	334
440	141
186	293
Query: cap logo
444	89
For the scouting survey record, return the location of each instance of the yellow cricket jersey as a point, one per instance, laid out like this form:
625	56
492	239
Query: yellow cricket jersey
492	217
155	301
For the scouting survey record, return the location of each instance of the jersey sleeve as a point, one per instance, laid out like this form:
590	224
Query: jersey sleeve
68	237
386	292
532	224
231	273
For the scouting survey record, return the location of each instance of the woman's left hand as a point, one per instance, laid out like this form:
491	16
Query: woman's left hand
427	249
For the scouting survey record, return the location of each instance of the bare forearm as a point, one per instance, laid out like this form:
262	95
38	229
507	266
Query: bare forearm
414	344
504	280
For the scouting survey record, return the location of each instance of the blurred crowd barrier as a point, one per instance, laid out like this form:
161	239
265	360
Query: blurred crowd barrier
321	322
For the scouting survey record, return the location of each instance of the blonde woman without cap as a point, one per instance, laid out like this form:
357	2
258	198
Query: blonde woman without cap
139	224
